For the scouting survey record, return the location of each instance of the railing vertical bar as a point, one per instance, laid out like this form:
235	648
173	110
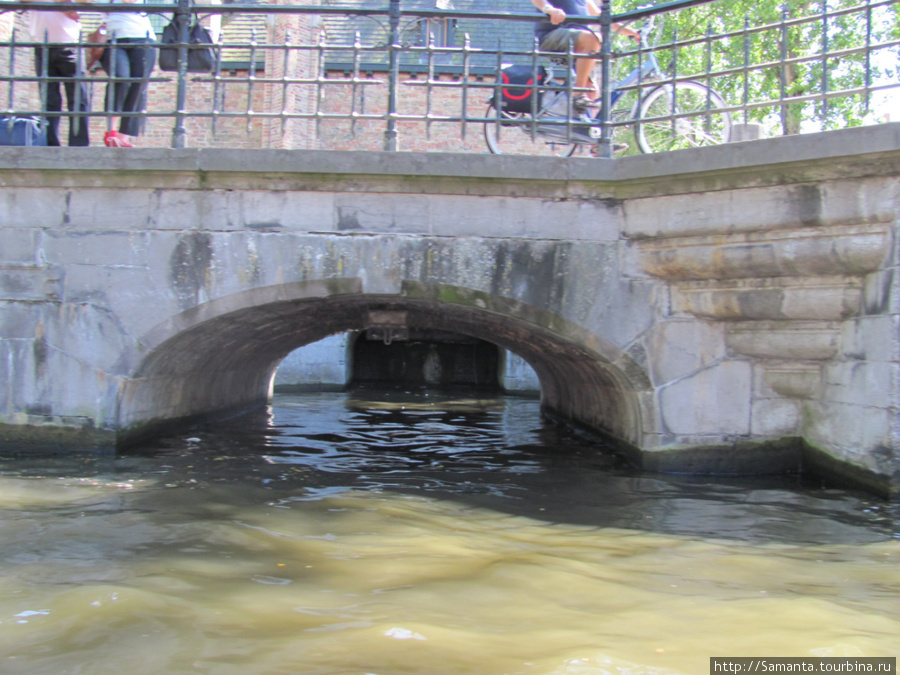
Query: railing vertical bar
218	102
868	93
746	96
707	122
825	46
429	87
535	107
466	65
498	92
285	66
605	147
251	77
45	58
182	18
320	80
358	91
783	75
674	106
570	86
390	133
12	74
80	87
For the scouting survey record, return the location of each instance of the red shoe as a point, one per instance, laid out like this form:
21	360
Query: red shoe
115	140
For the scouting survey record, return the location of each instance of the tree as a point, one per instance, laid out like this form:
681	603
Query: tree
797	53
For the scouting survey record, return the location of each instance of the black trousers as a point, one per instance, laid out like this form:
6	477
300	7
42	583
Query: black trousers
62	64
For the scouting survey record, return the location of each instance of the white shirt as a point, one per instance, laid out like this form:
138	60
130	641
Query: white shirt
56	25
129	25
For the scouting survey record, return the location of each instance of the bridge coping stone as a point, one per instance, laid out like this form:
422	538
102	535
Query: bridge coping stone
858	150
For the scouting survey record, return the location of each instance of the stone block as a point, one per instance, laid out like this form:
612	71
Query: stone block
86	333
872	338
746	132
6	376
775	418
25	282
194	210
358	212
881	292
676	349
819	252
18	320
793	380
137	298
868	200
20	246
110	209
858	434
794	340
27	207
103	248
769	299
280	210
713	401
862	383
706	213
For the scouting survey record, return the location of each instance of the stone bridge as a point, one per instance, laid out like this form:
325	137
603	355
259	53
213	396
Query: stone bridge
726	310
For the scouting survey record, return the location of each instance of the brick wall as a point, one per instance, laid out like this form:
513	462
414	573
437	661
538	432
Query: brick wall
272	91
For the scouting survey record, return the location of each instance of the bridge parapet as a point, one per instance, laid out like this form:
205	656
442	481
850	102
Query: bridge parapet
715	310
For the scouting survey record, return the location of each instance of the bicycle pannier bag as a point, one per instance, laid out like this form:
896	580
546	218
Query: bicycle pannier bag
22	131
200	49
518	87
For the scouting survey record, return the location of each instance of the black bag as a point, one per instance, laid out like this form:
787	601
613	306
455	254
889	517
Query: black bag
200	52
22	131
518	87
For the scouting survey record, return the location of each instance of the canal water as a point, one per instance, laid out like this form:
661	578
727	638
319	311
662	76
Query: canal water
355	534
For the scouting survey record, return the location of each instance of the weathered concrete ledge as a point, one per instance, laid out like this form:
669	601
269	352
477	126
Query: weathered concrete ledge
856	152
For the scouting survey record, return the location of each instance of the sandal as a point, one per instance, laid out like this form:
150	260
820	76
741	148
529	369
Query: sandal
114	140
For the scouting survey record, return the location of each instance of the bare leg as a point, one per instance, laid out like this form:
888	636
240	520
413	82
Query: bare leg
587	43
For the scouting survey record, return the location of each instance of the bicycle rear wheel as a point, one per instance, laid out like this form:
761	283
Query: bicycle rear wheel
508	136
693	118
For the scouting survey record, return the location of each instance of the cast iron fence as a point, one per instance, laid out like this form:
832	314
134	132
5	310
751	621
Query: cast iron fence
329	76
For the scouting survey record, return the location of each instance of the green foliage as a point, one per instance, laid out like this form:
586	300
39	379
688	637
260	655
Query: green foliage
796	51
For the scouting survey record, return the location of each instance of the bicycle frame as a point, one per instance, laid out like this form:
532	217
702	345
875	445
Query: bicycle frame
648	71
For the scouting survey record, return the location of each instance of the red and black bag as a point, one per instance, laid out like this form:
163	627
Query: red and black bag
519	87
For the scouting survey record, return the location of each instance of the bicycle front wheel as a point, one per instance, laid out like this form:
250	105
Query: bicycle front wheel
510	134
679	116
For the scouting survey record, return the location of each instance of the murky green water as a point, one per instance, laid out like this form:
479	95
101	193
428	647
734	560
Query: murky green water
424	535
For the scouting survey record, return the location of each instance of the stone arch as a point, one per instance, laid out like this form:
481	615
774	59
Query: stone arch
220	356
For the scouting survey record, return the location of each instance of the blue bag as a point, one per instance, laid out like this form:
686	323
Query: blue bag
22	131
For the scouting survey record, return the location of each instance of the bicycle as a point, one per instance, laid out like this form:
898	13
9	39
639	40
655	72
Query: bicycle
666	115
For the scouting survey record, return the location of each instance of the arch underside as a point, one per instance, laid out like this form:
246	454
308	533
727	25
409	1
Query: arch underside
221	359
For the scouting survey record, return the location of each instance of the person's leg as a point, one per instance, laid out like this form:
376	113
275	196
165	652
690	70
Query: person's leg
141	59
115	63
50	91
587	43
581	42
67	66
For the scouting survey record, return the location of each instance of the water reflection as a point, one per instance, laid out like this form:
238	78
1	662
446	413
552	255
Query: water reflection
424	535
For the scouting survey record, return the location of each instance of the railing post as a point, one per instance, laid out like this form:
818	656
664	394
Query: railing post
605	149
182	20
390	134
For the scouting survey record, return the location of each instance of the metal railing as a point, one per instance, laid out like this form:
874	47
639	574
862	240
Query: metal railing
338	77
